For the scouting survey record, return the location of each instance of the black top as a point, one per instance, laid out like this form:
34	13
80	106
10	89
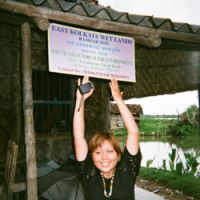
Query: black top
124	181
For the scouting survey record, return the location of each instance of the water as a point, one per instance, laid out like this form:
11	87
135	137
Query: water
158	148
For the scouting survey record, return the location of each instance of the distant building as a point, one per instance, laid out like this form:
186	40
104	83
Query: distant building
116	119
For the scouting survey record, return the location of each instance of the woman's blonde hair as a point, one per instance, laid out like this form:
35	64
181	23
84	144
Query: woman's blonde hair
100	137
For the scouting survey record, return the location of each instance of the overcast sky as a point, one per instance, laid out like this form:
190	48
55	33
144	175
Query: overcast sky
177	10
185	11
167	104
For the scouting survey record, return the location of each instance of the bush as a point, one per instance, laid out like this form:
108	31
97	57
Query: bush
192	113
187	123
182	129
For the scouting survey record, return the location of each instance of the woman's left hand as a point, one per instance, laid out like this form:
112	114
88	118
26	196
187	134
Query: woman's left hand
115	90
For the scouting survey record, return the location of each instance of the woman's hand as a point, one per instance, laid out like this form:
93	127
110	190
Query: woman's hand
80	142
132	142
116	93
86	95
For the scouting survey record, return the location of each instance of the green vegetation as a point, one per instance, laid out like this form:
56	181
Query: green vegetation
187	123
162	126
179	129
155	125
120	132
150	125
188	184
192	113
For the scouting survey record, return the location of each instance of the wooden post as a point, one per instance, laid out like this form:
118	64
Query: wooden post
41	23
28	113
198	88
199	103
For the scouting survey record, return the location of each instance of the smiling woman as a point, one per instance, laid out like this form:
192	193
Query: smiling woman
103	167
106	152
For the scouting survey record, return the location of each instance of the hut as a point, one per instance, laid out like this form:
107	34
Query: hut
36	106
116	119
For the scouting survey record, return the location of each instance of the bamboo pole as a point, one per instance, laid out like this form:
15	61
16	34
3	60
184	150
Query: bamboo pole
198	89
199	104
28	113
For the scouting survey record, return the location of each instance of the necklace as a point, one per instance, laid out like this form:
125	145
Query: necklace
109	194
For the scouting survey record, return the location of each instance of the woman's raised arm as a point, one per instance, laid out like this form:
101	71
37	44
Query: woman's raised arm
132	142
80	143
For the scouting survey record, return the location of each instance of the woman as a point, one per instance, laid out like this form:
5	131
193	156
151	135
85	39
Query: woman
106	172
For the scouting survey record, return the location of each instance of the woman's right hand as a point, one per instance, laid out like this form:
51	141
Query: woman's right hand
86	95
80	143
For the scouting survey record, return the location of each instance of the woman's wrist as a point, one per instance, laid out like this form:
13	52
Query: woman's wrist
80	100
118	100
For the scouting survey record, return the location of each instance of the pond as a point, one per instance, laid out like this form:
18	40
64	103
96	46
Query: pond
158	148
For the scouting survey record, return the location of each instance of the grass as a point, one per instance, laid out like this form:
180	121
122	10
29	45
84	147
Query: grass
149	125
120	132
161	126
155	125
188	184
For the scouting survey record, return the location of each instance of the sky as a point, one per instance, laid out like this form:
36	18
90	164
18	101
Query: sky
166	104
184	11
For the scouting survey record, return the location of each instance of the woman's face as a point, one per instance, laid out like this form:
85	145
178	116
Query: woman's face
105	158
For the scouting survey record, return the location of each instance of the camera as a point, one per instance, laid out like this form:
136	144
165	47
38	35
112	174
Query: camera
86	87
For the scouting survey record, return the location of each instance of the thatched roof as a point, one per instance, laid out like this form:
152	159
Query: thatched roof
167	53
147	30
135	109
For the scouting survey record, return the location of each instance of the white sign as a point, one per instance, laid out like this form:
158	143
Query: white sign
82	52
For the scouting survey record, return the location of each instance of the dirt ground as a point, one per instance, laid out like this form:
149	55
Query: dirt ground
166	193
